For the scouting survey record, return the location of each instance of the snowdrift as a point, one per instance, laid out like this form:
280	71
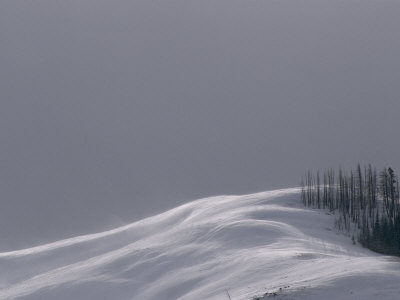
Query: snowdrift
254	246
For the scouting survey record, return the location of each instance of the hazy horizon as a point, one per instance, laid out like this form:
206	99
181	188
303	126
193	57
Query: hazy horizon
114	111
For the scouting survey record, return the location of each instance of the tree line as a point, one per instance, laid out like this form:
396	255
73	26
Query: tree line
365	202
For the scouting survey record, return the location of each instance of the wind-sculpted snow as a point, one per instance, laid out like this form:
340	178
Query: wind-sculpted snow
251	246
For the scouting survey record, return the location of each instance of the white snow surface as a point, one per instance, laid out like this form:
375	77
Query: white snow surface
243	247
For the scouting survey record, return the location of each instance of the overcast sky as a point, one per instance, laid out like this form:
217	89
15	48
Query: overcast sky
111	111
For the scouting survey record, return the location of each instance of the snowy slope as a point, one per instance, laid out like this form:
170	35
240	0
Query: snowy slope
249	246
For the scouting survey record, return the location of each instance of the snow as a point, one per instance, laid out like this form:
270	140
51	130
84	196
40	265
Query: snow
260	245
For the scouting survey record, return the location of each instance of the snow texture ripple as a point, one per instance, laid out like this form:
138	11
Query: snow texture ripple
250	247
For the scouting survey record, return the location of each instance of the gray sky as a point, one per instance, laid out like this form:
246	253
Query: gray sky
111	111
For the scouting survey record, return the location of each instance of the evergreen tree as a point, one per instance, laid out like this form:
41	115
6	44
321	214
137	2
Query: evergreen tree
372	207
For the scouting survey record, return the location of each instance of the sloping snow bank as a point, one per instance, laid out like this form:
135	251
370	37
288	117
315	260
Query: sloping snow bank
250	246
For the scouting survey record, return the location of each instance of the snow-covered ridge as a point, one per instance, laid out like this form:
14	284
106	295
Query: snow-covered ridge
247	246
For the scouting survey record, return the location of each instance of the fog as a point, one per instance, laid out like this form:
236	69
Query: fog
111	111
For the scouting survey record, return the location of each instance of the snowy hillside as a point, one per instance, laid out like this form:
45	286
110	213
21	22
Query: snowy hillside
248	246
